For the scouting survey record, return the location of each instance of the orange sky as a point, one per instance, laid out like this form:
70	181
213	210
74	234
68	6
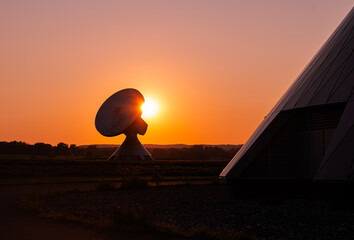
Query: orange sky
215	67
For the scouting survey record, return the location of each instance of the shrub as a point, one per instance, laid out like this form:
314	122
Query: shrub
134	183
105	186
128	219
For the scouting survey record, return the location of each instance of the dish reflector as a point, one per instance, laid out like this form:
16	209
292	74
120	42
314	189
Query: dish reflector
119	112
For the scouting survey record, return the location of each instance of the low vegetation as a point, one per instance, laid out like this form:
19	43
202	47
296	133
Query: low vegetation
126	219
22	163
43	150
104	186
134	183
196	211
30	171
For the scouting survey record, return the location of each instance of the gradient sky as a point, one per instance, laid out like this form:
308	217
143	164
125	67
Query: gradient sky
216	68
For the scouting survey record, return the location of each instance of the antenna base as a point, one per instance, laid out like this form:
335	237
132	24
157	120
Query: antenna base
131	149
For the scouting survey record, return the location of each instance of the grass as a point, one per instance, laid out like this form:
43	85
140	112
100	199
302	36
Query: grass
131	220
43	180
134	183
128	219
203	232
104	186
33	203
110	176
63	166
21	169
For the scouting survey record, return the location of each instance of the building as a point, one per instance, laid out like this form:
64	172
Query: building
308	136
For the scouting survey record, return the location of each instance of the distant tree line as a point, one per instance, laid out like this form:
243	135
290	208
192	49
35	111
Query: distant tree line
196	152
61	149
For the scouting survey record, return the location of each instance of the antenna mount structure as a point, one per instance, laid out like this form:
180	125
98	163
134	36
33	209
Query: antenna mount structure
121	114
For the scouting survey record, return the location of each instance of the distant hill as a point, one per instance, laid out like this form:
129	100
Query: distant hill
222	146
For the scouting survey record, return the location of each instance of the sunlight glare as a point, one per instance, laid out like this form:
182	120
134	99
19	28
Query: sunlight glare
149	108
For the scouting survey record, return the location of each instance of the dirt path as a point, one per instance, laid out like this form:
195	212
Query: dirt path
18	224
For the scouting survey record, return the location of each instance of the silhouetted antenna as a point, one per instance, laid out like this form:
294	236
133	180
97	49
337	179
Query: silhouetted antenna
121	113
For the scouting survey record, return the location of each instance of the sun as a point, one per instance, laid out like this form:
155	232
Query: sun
149	108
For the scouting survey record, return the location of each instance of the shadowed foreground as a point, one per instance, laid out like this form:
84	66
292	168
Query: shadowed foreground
209	210
18	224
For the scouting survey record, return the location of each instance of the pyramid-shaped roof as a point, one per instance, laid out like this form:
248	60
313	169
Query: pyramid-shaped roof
327	79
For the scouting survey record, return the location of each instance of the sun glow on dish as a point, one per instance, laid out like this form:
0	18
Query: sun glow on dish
149	108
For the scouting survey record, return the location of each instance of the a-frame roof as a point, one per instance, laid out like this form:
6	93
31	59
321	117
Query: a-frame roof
327	79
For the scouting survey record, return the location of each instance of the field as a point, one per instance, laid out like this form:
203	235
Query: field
162	199
19	170
197	212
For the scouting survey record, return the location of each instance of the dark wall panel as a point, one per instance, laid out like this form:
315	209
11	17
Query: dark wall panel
297	149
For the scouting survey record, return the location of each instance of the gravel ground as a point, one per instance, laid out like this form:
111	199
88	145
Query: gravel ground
212	206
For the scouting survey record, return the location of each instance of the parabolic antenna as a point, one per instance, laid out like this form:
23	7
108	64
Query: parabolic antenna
121	113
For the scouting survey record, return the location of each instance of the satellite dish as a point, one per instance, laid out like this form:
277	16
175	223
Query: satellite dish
121	113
